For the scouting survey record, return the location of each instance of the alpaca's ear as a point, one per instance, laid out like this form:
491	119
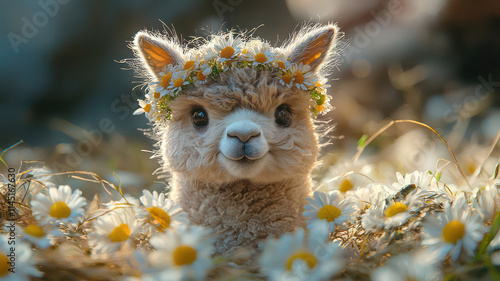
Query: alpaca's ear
156	53
314	47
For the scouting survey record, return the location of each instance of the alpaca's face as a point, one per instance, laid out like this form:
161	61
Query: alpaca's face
242	124
256	131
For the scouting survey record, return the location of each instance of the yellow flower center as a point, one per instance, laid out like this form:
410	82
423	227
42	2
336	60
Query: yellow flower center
329	213
281	64
4	265
160	217
184	255
227	52
147	108
188	64
34	230
395	209
320	108
471	168
309	258
165	80
178	82
156	95
260	58
286	78
453	231
346	185
200	76
120	233
299	78
60	210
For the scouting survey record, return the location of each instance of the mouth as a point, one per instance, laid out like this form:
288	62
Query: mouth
244	167
243	160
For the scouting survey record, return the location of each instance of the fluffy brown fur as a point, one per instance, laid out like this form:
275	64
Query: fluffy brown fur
242	201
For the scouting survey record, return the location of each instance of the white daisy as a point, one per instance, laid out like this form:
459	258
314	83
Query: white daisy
207	53
349	181
59	205
424	181
456	228
41	236
392	212
285	79
280	60
295	257
373	219
23	266
141	269
146	108
159	212
202	75
301	75
179	79
258	53
113	231
152	94
185	251
368	195
227	47
161	87
40	179
323	104
487	202
417	267
126	202
320	83
329	207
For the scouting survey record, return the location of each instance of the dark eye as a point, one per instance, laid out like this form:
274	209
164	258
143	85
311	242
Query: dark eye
283	115
199	117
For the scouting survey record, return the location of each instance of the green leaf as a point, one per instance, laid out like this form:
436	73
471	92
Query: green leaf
495	225
438	176
362	140
120	187
495	174
321	100
449	277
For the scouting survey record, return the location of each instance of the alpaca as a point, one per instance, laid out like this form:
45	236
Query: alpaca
234	120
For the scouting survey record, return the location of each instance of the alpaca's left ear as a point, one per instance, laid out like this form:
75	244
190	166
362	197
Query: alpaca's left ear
156	53
314	47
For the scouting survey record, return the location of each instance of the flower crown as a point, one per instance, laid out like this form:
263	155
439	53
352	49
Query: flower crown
221	54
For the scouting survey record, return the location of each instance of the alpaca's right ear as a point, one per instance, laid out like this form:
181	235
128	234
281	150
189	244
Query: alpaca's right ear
157	53
314	46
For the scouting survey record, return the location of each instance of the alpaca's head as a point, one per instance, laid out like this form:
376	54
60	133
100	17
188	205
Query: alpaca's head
246	123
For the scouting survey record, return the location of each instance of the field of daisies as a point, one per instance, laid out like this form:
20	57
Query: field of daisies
367	219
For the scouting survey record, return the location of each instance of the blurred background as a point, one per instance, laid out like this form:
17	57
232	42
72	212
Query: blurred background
66	94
